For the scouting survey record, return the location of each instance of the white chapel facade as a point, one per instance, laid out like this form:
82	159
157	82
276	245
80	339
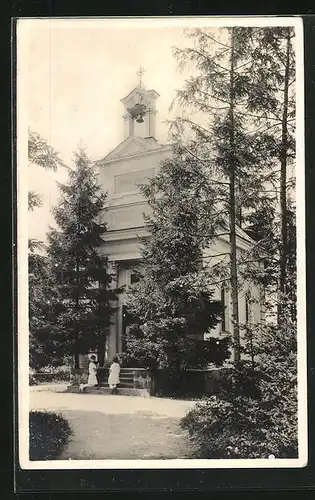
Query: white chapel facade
132	162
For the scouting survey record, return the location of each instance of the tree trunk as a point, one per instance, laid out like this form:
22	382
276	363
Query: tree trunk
76	342
76	357
238	203
283	186
232	215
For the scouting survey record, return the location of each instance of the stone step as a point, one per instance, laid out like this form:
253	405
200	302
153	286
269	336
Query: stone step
122	384
123	377
126	369
129	374
131	370
123	380
105	390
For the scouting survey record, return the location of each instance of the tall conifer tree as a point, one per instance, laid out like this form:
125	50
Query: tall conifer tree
218	93
40	153
42	350
80	271
241	109
273	69
173	302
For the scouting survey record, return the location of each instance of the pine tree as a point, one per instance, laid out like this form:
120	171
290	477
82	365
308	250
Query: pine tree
274	64
37	271
255	413
218	94
42	350
45	156
172	302
46	346
78	268
241	108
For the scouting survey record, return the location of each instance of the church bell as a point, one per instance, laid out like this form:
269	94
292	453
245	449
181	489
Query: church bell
137	112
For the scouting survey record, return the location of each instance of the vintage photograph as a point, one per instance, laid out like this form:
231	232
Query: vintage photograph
161	266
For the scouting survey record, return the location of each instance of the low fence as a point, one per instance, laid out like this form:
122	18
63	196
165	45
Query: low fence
187	383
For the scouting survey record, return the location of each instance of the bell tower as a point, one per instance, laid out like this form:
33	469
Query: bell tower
140	111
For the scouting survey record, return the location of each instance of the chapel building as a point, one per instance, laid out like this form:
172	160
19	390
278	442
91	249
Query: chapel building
132	162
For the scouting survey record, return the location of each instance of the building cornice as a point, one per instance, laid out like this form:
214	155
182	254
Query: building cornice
135	233
104	162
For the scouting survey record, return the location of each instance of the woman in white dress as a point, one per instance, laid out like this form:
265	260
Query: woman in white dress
114	371
92	379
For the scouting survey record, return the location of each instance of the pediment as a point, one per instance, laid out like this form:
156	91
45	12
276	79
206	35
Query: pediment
240	233
133	146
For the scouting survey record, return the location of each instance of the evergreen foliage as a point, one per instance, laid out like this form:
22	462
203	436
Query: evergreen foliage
254	414
49	432
45	348
84	302
172	302
219	93
42	154
42	293
244	91
241	108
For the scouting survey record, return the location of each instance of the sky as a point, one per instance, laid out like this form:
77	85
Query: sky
76	76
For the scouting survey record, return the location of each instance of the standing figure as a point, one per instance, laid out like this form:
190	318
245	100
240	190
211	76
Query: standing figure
114	371
92	380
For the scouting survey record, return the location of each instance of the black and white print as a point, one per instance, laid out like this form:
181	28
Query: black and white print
161	316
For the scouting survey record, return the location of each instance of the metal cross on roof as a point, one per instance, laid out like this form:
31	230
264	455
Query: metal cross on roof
140	73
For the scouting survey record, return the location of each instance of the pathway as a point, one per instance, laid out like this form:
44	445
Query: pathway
118	427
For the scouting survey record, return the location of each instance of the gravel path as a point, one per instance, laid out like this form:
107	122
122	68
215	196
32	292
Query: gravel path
118	427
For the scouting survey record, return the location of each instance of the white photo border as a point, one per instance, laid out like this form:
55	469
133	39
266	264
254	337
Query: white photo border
23	27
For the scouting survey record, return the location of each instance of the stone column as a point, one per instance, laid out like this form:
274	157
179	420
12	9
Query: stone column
129	126
150	123
112	339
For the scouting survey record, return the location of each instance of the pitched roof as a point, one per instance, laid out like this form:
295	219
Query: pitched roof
238	230
131	146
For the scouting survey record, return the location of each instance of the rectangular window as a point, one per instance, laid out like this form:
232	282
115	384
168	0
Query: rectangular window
134	278
247	310
126	321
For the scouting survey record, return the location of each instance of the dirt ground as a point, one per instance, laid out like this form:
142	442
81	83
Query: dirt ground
118	427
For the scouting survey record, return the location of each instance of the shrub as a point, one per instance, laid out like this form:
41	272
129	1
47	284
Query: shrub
49	374
49	432
239	428
32	379
46	378
254	413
